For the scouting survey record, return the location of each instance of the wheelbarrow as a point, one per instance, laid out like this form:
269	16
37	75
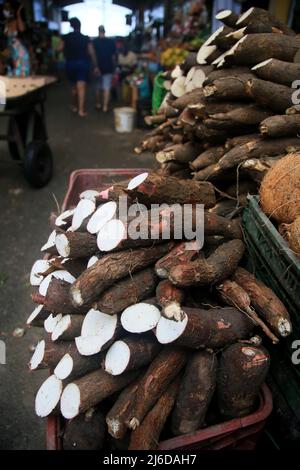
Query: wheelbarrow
22	104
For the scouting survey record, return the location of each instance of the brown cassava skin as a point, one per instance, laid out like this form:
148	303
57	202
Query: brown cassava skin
233	294
39	320
271	95
74	328
257	168
222	41
167	293
54	351
113	193
165	367
128	291
230	20
179	254
221	264
227	208
263	300
216	74
192	97
146	436
208	157
83	365
57	299
181	153
278	71
247	115
214	328
118	414
73	266
212	173
143	350
256	148
242	371
189	62
111	268
207	135
240	140
195	393
228	88
259	47
85	432
293	110
157	189
81	244
259	17
98	385
280	126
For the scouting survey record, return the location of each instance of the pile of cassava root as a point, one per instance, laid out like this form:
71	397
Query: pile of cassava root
148	339
229	115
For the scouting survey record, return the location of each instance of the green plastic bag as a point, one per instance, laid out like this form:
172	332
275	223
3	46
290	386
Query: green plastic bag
159	92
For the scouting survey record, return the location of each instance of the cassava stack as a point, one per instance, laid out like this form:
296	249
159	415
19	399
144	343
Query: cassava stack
229	116
139	328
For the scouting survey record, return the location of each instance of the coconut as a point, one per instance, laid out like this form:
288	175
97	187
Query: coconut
280	189
291	232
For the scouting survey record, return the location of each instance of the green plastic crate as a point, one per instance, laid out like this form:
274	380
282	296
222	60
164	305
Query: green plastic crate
271	260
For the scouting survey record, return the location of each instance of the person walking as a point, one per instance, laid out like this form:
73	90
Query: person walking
79	52
105	50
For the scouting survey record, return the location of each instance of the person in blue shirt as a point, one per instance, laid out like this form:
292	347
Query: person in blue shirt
105	50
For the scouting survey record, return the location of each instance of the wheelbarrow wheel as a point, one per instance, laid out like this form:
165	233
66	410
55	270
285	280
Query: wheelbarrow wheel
38	163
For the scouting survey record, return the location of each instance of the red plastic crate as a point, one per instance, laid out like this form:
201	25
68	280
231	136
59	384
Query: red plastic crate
241	433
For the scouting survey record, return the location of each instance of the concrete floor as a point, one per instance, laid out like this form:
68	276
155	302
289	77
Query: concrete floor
76	143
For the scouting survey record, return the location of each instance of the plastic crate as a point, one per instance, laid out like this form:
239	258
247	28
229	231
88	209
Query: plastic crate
271	260
241	433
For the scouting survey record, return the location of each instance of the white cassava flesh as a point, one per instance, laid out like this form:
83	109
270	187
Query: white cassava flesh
178	87
212	37
89	194
60	327
168	331
284	327
61	219
84	209
223	14
102	215
62	245
173	311
117	358
70	401
50	243
97	329
34	314
204	52
194	79
261	64
140	318
64	367
237	34
48	396
92	261
111	235
38	355
96	323
38	269
244	15
137	180
176	72
59	274
51	322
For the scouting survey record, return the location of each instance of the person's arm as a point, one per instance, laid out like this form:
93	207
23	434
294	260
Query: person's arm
92	54
60	46
20	21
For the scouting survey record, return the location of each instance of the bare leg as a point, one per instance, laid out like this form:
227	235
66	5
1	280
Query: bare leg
74	99
106	98
98	99
81	90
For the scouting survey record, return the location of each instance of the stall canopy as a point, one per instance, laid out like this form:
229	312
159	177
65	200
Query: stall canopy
131	4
